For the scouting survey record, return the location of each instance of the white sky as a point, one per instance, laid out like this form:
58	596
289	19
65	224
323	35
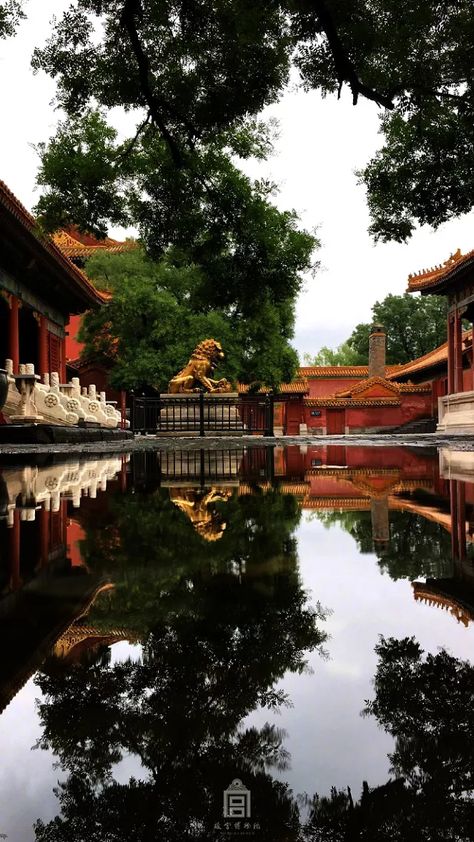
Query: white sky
321	143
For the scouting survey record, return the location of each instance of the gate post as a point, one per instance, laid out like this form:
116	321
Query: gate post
133	418
269	402
201	414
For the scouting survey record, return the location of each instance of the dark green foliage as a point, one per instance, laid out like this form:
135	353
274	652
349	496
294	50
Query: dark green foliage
417	547
192	72
160	311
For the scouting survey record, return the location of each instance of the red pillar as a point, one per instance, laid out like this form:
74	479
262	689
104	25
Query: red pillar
472	355
43	355
62	366
123	409
44	536
450	354
14	551
461	523
14	333
458	384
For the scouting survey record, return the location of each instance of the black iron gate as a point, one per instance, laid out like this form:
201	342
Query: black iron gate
202	414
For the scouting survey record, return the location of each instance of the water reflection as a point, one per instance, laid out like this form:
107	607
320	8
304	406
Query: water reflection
194	555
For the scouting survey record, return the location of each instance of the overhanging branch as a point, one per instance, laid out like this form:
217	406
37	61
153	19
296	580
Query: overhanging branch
345	68
131	11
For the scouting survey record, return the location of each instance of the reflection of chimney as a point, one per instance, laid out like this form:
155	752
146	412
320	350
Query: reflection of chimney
377	351
380	523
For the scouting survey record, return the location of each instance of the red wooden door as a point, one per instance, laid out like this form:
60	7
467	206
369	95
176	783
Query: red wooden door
336	422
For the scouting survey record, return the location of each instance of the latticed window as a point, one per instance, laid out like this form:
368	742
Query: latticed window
54	353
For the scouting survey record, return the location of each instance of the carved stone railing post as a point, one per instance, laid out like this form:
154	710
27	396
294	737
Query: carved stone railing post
25	382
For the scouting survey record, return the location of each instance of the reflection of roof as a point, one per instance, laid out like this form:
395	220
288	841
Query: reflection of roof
77	639
75	243
438	277
79	280
438	356
432	594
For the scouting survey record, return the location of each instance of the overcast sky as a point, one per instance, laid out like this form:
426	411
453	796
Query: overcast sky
321	143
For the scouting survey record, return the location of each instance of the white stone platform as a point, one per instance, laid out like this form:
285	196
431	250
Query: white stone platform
456	413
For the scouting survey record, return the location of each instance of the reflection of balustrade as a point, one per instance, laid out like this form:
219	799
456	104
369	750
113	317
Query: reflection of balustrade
53	402
33	486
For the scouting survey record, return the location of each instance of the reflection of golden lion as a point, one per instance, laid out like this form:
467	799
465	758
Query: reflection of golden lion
200	507
196	374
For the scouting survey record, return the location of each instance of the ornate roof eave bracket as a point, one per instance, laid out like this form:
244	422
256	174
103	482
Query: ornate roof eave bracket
434	280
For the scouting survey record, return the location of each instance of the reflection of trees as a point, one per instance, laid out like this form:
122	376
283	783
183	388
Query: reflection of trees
417	546
425	703
221	624
153	553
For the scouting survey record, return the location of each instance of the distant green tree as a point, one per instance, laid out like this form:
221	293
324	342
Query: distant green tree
414	325
344	354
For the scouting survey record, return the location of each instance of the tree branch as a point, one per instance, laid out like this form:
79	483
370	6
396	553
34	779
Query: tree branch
345	68
131	11
126	152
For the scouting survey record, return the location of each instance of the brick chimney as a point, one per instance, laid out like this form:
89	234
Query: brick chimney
377	351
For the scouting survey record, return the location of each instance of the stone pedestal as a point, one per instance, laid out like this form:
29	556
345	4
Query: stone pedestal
186	415
456	413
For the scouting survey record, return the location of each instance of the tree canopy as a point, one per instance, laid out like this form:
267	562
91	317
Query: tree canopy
159	311
193	74
414	325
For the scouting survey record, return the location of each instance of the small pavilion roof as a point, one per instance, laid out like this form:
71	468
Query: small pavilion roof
436	279
74	243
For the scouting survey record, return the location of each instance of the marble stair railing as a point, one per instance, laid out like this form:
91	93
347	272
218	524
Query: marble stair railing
56	403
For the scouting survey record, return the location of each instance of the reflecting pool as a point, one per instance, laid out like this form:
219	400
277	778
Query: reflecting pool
265	643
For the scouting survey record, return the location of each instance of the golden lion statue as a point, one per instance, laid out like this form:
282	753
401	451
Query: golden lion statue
196	374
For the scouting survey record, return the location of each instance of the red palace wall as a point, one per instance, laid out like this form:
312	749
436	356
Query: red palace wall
73	346
412	407
322	387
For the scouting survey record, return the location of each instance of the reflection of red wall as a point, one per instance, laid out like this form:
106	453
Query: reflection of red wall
293	463
75	533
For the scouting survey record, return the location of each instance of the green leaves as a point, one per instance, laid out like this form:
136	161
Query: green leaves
11	13
79	171
158	314
201	72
